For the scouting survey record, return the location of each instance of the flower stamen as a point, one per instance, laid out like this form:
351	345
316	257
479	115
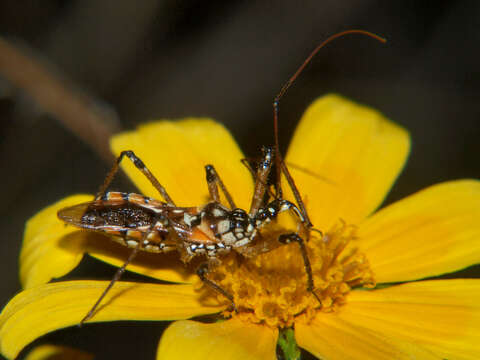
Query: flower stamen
272	288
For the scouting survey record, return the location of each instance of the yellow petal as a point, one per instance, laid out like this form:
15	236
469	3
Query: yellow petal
167	267
45	308
55	352
229	340
50	249
440	316
356	154
177	152
432	232
332	338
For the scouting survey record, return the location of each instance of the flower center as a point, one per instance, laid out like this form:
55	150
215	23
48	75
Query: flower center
271	288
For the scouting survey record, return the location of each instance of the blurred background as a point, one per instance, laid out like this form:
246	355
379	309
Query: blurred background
74	72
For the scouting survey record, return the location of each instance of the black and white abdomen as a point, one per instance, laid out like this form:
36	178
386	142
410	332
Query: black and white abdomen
132	223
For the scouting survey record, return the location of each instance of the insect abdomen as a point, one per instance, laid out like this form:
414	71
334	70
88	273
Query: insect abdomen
127	218
130	211
125	215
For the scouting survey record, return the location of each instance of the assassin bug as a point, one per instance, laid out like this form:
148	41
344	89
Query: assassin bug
210	230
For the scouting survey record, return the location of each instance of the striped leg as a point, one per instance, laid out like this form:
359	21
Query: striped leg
202	272
284	205
143	169
115	278
261	179
293	237
214	181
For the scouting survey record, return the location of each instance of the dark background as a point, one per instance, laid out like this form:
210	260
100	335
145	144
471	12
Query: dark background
143	60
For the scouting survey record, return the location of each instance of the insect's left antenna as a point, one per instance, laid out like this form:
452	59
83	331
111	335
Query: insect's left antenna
280	163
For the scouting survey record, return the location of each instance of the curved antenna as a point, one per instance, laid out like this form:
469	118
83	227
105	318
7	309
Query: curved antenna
280	164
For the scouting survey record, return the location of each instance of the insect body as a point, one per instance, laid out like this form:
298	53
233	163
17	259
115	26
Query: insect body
210	230
135	221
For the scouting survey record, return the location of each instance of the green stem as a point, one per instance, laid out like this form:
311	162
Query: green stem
286	342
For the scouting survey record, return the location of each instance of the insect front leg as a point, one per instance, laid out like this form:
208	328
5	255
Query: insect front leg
202	272
294	237
250	164
261	179
284	169
143	169
277	206
214	181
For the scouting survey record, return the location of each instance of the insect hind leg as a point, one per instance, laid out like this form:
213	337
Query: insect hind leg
115	278
143	169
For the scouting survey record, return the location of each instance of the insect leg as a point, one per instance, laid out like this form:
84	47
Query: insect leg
140	166
293	237
285	205
296	193
202	272
213	180
247	162
261	179
115	278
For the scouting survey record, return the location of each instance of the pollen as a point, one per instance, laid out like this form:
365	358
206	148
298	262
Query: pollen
271	288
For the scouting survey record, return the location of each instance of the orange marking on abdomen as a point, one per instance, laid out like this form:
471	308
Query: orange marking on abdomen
200	236
136	198
134	234
115	196
155	238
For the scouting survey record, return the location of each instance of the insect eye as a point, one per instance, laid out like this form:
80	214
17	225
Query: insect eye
239	214
261	216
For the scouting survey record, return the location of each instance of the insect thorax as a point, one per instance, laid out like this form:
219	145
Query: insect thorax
235	228
231	228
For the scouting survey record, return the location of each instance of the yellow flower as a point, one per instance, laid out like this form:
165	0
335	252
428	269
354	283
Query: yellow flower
432	232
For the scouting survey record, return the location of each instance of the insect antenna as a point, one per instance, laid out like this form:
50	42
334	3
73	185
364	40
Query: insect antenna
279	162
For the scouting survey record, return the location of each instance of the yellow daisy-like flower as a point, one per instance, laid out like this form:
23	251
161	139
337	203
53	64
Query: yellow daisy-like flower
432	232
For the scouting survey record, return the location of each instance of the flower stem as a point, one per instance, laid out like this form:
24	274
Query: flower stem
286	342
